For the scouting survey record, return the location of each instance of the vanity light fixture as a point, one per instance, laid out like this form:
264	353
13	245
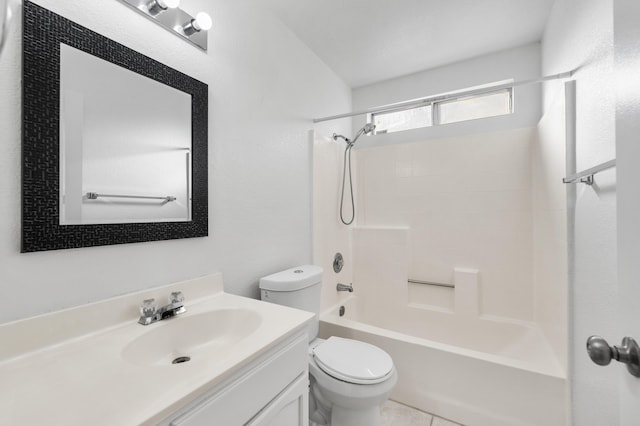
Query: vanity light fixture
168	15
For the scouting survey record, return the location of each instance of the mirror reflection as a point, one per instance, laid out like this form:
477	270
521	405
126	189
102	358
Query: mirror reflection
125	145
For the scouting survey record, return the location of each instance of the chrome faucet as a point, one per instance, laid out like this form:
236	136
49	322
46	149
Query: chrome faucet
344	287
150	313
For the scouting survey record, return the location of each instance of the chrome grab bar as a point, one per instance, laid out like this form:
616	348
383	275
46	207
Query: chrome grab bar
431	283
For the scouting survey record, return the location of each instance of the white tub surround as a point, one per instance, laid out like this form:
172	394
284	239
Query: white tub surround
455	357
71	367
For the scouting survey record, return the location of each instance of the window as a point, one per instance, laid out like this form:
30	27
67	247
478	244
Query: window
446	111
413	118
473	107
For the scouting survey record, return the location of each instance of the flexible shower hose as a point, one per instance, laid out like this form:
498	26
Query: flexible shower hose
347	153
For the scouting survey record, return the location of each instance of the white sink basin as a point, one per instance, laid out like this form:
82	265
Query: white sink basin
196	336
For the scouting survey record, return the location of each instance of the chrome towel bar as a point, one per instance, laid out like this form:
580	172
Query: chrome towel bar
431	283
586	176
95	196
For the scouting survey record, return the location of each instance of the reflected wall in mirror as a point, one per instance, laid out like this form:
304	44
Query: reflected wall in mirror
114	143
121	134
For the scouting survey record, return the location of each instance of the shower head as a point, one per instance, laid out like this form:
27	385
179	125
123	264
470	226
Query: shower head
368	128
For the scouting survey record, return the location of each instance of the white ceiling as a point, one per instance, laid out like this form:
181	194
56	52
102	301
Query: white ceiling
366	41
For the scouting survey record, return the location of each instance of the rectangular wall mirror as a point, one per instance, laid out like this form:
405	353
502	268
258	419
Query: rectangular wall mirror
114	143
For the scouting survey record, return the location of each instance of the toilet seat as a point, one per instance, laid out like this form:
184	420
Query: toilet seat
353	361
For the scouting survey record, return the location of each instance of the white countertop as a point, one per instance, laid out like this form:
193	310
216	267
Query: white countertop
76	376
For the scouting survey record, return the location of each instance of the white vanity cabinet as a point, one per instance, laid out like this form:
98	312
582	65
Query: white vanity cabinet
249	363
271	390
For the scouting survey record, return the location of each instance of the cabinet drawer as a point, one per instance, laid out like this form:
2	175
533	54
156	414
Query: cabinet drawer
239	401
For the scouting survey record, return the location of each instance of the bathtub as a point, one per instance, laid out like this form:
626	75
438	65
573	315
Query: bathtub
475	371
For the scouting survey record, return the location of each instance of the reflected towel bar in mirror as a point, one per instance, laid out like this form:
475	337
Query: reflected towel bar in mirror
95	196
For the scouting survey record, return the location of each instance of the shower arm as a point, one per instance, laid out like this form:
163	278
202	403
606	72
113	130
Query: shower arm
346	139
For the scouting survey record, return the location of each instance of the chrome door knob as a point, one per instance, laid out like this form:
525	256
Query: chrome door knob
599	350
628	353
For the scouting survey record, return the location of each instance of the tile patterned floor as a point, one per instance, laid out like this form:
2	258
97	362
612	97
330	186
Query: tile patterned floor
395	414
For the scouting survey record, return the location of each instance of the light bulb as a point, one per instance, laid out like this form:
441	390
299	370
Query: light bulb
203	21
158	6
171	4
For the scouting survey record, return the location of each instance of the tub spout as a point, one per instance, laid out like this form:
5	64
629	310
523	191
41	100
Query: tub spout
344	287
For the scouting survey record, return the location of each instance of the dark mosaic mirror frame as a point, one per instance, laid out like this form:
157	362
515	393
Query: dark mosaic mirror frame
41	230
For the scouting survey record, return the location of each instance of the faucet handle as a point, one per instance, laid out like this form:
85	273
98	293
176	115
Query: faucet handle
176	297
148	307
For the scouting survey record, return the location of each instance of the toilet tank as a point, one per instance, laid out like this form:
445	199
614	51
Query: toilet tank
298	288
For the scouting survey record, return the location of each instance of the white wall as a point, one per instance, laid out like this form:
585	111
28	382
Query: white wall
579	36
264	87
519	64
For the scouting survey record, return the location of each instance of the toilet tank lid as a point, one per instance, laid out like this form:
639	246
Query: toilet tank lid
292	279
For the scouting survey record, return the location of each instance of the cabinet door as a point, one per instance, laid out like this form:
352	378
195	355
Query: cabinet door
289	408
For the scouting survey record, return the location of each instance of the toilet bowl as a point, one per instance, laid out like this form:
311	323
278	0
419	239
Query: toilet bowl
349	379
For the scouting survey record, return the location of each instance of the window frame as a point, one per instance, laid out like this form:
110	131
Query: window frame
435	103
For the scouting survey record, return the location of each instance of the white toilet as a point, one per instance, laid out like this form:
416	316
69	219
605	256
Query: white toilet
349	379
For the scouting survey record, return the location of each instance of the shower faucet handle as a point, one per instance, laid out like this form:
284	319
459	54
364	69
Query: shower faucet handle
338	262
